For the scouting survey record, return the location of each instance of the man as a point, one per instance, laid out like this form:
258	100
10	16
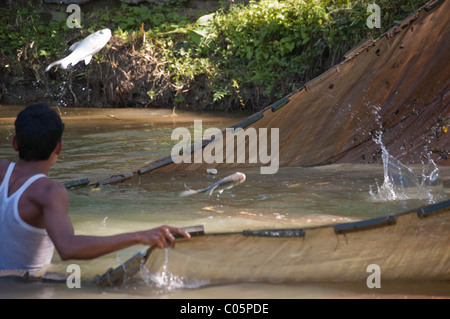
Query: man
34	217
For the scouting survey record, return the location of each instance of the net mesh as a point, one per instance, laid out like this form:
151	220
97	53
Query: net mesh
405	247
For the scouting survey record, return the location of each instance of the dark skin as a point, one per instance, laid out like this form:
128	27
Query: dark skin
45	204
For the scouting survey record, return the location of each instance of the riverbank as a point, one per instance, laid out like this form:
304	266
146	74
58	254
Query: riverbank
193	55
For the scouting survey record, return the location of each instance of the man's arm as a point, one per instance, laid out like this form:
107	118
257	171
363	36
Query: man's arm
70	246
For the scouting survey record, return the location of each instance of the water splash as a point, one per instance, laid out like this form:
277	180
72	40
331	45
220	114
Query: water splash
166	281
402	183
431	186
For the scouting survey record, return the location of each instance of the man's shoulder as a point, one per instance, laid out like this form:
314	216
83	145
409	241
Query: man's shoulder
51	184
46	192
47	187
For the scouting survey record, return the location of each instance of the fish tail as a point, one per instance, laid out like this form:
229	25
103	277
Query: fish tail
188	191
68	60
52	65
212	189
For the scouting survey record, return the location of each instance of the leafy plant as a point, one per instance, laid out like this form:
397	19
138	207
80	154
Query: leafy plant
241	55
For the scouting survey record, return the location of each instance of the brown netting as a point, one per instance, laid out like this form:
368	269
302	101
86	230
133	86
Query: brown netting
405	247
397	84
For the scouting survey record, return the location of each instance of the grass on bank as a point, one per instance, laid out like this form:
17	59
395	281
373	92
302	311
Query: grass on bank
241	56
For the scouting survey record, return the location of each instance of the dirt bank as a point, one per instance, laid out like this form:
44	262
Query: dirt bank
122	75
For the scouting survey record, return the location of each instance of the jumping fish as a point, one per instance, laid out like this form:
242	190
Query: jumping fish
84	50
225	183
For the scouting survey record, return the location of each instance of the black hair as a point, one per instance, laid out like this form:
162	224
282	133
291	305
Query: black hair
38	131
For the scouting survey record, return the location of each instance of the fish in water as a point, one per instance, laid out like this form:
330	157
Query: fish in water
225	183
84	50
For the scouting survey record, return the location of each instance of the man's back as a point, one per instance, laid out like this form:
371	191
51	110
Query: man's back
22	246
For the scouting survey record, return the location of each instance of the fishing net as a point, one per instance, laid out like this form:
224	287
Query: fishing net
397	84
404	247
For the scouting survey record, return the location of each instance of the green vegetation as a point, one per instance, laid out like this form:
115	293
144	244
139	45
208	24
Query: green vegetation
241	56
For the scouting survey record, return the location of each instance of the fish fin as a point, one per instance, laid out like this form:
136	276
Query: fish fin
65	63
72	64
88	59
74	46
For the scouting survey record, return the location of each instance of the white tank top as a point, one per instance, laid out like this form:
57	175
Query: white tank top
22	246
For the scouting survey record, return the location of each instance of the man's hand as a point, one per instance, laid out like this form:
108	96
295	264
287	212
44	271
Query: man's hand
162	237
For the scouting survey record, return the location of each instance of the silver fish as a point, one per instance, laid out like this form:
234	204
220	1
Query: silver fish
84	50
225	183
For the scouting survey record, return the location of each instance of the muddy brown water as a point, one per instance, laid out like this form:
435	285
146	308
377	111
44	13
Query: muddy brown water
102	142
